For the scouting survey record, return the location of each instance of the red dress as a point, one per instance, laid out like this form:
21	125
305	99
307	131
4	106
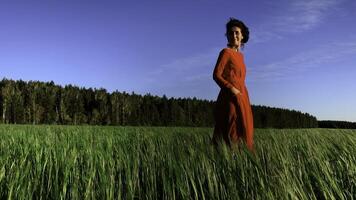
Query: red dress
232	114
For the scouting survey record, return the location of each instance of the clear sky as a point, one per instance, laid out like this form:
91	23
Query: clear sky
301	54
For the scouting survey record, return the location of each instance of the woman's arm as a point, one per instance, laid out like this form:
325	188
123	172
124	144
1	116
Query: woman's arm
218	71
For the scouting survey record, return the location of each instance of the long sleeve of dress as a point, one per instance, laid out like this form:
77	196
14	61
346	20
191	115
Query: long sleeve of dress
219	70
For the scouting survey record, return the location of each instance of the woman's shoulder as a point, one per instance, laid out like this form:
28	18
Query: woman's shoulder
225	50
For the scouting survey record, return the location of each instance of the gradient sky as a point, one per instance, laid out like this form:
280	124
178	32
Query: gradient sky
301	54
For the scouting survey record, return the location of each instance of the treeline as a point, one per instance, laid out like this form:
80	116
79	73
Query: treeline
336	124
268	117
35	102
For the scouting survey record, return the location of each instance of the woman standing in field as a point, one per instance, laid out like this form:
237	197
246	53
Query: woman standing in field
232	113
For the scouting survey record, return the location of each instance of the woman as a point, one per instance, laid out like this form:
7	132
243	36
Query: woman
232	113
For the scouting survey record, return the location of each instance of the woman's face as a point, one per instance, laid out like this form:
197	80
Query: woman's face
234	37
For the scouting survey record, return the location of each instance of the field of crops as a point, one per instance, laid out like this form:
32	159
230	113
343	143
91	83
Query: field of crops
93	162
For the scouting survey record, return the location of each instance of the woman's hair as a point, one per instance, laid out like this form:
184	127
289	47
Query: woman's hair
244	30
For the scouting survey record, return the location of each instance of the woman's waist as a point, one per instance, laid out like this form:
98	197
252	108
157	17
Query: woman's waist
235	81
240	87
238	84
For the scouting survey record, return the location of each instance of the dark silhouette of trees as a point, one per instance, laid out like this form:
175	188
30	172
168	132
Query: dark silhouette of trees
35	102
336	124
268	117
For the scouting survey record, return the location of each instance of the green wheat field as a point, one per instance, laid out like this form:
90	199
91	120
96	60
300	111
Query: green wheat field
95	162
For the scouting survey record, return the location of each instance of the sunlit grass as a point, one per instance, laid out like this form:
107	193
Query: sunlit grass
93	162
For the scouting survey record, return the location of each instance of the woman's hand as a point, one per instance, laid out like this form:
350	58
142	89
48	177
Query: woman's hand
235	91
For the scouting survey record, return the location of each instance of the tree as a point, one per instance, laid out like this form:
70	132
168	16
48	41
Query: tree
46	103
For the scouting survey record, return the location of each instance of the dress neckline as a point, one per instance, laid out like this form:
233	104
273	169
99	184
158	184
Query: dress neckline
238	52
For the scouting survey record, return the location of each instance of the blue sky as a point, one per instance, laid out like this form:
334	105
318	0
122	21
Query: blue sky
301	54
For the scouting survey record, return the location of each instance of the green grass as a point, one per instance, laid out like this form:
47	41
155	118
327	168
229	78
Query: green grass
92	162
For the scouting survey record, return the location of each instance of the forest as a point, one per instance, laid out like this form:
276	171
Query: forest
35	102
336	124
